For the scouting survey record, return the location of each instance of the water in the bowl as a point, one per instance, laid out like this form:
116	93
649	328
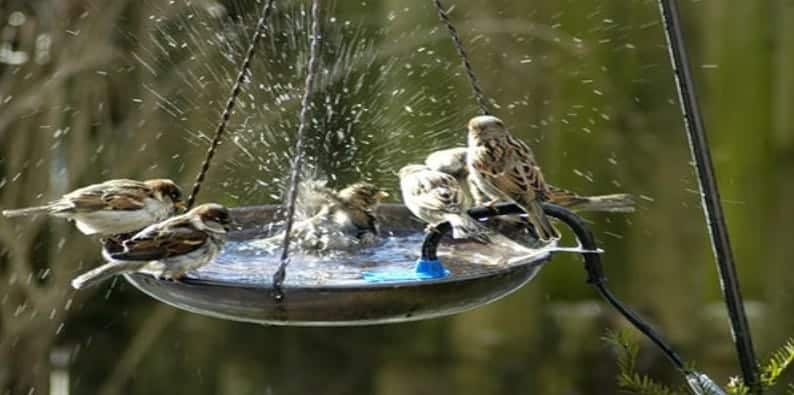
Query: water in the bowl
248	262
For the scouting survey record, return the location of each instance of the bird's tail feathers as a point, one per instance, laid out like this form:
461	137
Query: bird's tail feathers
95	276
466	227
616	203
21	212
541	223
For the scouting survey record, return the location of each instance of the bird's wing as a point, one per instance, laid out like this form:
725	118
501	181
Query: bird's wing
522	178
451	161
163	240
433	190
111	195
489	159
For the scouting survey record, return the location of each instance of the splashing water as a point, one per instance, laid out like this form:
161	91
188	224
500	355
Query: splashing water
359	110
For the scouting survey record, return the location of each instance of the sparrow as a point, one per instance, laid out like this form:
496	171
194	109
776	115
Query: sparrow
437	197
453	162
334	220
505	169
113	207
168	249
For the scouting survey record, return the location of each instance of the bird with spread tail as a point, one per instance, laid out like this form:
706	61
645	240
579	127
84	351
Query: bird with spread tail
113	207
452	161
437	197
332	220
168	249
505	169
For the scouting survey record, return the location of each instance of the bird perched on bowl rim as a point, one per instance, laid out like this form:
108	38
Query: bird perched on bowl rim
437	197
505	169
334	220
453	162
114	206
167	249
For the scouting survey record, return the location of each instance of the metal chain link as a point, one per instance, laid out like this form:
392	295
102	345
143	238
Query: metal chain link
303	119
227	111
479	96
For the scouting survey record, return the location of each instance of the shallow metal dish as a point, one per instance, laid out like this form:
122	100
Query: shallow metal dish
479	274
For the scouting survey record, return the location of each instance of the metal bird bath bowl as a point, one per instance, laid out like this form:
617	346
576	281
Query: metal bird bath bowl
333	291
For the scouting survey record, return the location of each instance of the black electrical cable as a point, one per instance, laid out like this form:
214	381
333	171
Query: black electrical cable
592	264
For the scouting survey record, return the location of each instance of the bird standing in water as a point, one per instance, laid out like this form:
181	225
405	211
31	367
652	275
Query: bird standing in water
334	220
452	161
505	169
113	207
168	249
437	197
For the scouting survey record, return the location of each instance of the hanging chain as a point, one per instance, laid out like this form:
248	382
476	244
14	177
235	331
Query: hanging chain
479	96
227	111
303	122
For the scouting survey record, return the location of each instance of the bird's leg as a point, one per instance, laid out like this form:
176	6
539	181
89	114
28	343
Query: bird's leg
490	203
431	228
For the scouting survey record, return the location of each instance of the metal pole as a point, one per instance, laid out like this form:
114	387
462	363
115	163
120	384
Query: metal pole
707	181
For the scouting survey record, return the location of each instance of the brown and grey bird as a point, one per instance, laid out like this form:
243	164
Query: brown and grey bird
113	207
334	220
437	197
168	249
505	169
453	162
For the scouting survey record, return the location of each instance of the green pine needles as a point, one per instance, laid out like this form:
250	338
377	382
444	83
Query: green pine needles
770	373
630	381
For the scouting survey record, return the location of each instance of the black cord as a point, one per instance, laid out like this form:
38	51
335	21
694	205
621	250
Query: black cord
641	325
707	181
592	263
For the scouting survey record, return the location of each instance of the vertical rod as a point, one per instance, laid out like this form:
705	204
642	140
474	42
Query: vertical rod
718	230
303	122
227	111
479	96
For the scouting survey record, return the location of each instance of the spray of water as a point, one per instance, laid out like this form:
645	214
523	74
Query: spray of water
363	113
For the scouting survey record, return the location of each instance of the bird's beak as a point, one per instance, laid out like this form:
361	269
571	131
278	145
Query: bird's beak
381	195
180	205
